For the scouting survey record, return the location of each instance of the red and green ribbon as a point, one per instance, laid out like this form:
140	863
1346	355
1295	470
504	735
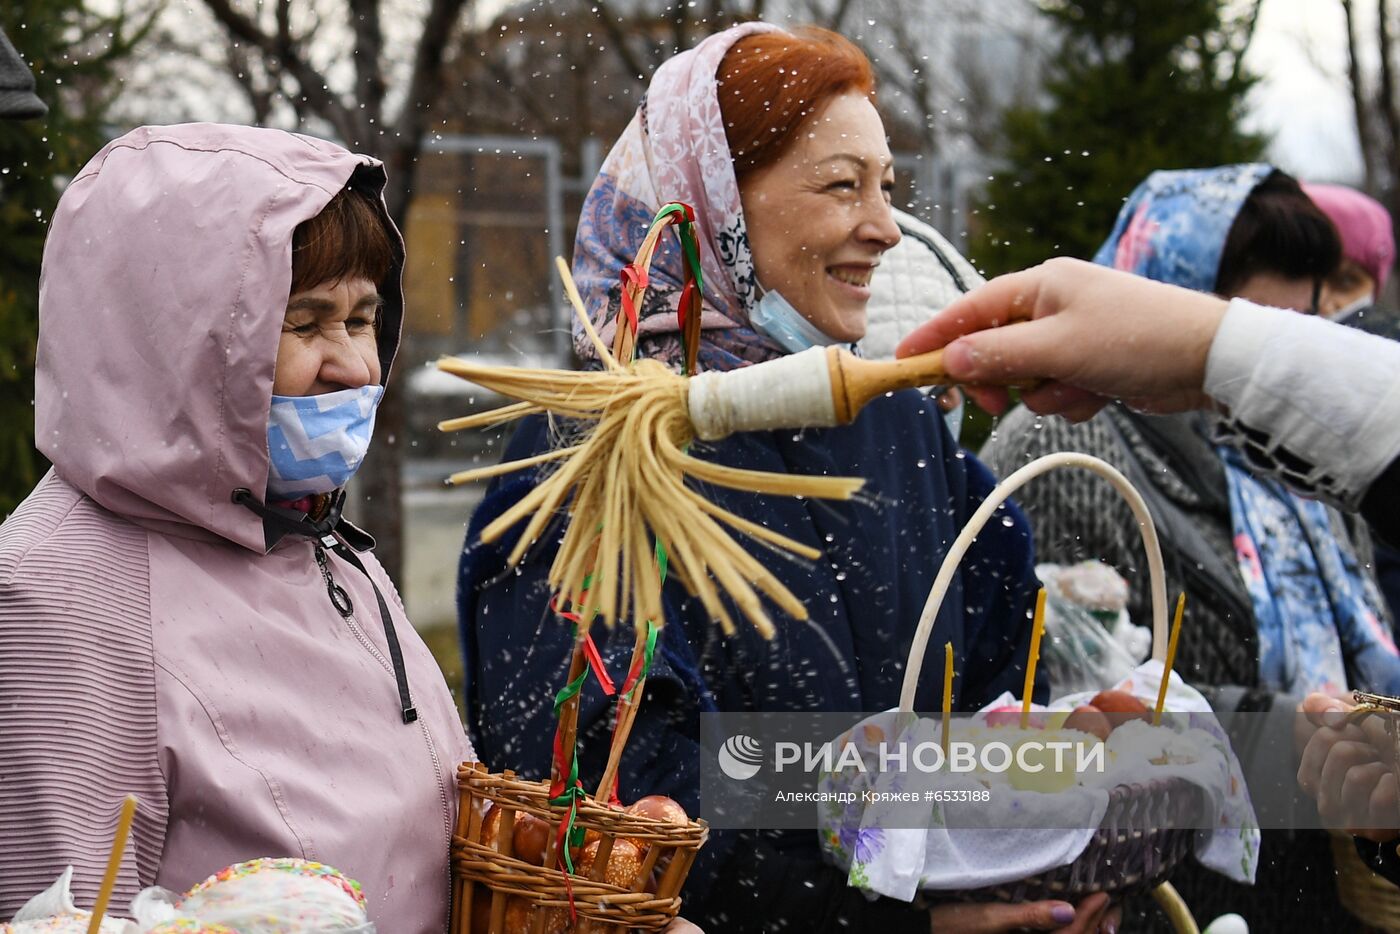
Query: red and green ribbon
567	791
563	787
632	278
641	667
635	279
590	648
682	216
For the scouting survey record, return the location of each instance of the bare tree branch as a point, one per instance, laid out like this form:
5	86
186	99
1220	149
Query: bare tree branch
312	87
519	93
424	91
369	59
1389	115
909	73
1360	104
310	84
118	40
241	68
635	70
1249	22
383	484
286	89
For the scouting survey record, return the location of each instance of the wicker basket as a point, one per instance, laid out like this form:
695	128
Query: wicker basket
523	897
1373	899
1146	831
1145	834
526	897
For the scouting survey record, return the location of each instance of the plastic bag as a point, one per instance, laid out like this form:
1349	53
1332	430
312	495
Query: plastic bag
1089	641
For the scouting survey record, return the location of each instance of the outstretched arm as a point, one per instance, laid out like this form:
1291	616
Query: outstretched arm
1309	401
1091	334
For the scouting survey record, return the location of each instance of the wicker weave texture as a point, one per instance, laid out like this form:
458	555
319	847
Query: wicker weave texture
1368	896
1146	832
494	892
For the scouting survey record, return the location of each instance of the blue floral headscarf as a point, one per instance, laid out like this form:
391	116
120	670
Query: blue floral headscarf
1174	226
1315	611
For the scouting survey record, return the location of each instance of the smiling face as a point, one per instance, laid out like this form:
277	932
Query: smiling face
819	216
328	340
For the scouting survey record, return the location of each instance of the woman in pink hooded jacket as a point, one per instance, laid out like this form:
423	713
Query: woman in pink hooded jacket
184	615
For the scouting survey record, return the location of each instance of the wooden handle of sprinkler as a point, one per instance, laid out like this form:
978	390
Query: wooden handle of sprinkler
854	382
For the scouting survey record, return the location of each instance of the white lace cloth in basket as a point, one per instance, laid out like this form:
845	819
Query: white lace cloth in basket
900	863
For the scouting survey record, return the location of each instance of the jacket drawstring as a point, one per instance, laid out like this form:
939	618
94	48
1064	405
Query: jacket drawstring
410	713
325	532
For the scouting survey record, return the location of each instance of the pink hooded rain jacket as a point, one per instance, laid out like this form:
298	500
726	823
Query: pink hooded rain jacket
151	642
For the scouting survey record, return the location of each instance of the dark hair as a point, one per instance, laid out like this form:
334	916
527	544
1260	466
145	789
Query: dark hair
1278	230
770	83
348	239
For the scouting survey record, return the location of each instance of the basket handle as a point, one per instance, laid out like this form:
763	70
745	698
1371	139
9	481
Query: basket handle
1002	492
635	278
567	727
627	706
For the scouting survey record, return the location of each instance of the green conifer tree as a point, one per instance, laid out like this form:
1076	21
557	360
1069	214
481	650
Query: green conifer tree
1135	85
74	54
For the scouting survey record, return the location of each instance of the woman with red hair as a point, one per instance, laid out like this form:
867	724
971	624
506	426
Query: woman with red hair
774	138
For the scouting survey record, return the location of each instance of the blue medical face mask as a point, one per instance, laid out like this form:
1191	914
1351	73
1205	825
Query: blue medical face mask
316	443
775	317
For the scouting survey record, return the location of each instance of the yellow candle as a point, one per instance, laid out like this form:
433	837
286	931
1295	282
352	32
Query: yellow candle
114	863
947	692
1171	660
1038	626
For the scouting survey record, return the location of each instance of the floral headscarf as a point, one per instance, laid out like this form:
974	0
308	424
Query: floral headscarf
1174	226
1316	613
675	149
